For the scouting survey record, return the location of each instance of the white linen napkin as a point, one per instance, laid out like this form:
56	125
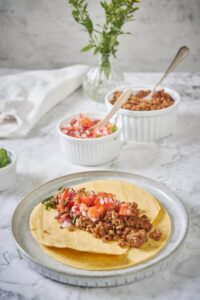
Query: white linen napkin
26	97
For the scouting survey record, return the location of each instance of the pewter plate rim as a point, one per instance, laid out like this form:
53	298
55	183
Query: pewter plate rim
87	176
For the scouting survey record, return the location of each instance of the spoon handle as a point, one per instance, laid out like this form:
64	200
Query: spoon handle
120	101
181	54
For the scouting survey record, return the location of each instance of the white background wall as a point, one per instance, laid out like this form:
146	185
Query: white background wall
42	34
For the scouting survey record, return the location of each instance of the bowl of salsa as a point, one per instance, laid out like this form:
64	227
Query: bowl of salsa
83	146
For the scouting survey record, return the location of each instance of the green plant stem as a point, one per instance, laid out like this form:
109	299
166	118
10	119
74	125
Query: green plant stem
104	41
105	64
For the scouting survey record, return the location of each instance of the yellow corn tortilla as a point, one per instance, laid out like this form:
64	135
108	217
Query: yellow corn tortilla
46	230
95	261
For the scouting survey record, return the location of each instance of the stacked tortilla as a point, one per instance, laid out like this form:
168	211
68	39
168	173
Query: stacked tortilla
81	249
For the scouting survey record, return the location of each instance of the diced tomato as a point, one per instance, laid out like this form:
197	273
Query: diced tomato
71	132
109	205
92	198
94	212
124	210
106	200
64	196
100	210
59	207
102	194
86	200
86	122
70	204
97	201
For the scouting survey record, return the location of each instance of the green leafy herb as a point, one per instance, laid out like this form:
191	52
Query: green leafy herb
114	128
103	38
4	158
48	202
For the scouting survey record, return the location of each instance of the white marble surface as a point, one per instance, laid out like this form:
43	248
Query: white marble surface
174	161
42	34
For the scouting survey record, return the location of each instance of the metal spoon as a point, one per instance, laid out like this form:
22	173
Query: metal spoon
120	101
181	54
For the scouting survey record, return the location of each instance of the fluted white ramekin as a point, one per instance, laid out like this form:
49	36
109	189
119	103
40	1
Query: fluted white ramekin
8	173
146	126
89	151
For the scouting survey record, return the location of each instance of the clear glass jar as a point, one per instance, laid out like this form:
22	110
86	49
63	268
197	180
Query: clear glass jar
101	79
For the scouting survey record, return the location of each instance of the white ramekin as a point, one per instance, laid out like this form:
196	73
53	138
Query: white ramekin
8	173
89	151
146	126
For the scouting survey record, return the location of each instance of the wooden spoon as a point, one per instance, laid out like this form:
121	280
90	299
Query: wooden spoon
120	101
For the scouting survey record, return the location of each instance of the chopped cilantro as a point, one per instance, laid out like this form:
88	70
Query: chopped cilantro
49	203
114	128
4	158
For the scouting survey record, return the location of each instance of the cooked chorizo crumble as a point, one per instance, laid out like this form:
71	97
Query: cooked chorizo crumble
129	231
136	102
103	216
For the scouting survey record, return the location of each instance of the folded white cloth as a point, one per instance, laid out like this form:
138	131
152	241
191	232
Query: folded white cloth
26	97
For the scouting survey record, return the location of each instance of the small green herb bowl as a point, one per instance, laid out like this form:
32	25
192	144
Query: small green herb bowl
8	173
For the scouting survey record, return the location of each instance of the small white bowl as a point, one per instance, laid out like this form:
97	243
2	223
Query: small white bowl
89	151
150	125
8	173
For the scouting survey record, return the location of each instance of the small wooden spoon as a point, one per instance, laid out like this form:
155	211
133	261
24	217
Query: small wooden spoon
120	101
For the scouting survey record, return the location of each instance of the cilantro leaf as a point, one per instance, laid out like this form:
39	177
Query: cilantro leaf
48	202
4	158
114	128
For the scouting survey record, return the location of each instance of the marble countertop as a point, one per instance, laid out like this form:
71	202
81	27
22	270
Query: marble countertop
174	162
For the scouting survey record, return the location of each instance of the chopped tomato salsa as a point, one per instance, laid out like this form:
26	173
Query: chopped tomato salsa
103	215
79	128
94	205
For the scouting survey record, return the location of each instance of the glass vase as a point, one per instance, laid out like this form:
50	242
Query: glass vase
101	79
